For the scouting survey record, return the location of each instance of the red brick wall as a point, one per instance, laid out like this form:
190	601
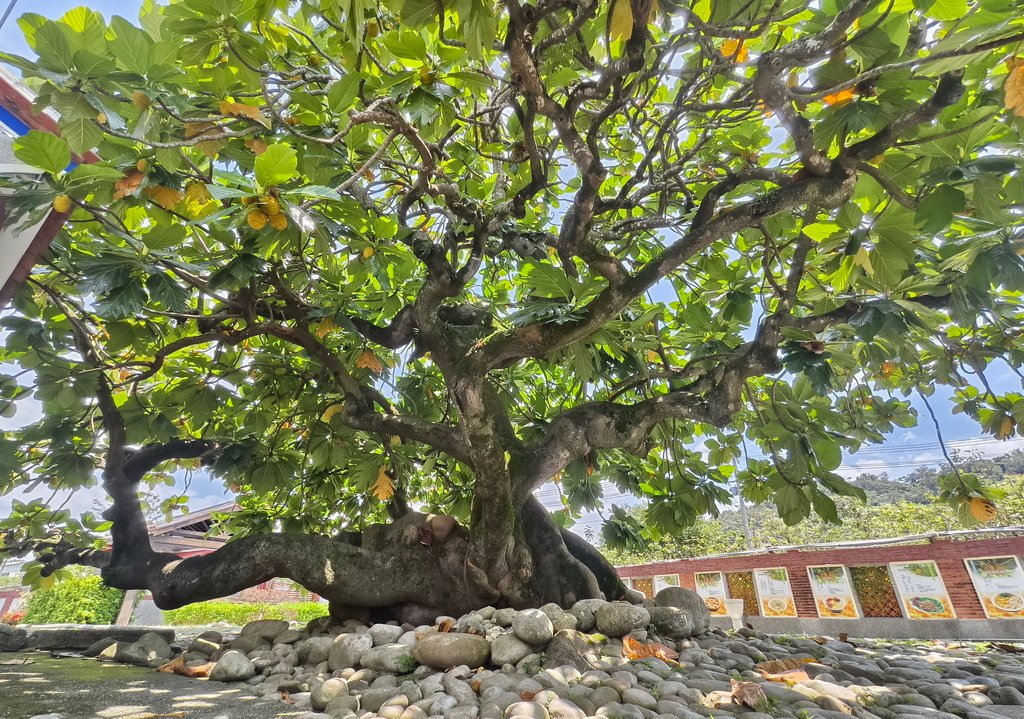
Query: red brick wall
949	555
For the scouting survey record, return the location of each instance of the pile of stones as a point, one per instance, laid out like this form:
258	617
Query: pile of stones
553	663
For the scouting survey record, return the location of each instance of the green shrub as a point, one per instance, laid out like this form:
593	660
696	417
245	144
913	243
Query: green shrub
239	613
75	600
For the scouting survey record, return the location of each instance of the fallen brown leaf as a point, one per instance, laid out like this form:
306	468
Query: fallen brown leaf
748	693
1008	648
171	666
776	666
634	649
790	676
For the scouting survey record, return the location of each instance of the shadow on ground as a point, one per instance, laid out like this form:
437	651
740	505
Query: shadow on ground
88	689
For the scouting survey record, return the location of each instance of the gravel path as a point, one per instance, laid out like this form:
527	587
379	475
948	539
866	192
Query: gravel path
84	689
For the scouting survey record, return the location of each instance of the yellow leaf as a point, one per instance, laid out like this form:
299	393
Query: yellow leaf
863	260
620	20
238	109
1006	427
368	360
331	411
735	50
384	487
1014	87
324	328
838	98
981	508
367	253
166	197
194	129
198	193
128	185
256	146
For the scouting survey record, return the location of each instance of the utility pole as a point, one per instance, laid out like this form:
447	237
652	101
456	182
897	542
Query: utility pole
743	515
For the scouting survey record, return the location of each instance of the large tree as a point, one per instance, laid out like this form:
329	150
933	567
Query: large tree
366	262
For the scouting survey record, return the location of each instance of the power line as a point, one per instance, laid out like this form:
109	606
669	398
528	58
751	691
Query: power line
7	13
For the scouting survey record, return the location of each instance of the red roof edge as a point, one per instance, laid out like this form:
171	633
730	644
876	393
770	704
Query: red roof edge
19	103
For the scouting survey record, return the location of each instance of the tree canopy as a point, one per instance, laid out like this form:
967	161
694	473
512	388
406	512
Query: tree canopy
359	258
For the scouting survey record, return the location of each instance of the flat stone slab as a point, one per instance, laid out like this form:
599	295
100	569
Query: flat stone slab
87	689
83	636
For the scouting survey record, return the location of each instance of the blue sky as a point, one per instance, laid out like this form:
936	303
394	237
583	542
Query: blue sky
903	450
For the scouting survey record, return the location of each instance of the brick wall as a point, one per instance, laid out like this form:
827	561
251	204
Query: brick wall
949	555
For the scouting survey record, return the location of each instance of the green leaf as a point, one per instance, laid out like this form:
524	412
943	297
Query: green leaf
43	150
82	134
53	47
277	165
130	46
416	13
124	301
342	93
943	9
164	289
936	209
406	45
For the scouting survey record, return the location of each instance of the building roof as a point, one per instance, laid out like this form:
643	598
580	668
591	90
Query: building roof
187	534
20	251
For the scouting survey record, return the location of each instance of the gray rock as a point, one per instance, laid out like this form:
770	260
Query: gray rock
533	626
385	634
347	650
314	650
508	649
628	711
1007	710
327	692
503	617
639	697
527	710
672	622
151	650
232	667
288	636
249	644
1006	695
689	602
443	703
392	658
445	650
616	619
584	610
265	629
97	648
565	709
204	645
830	690
574	649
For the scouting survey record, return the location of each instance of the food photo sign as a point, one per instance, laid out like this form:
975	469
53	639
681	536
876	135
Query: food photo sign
999	582
921	590
664	581
711	588
833	594
774	592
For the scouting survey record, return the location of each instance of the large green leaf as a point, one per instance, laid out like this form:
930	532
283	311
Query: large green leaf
277	165
43	150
